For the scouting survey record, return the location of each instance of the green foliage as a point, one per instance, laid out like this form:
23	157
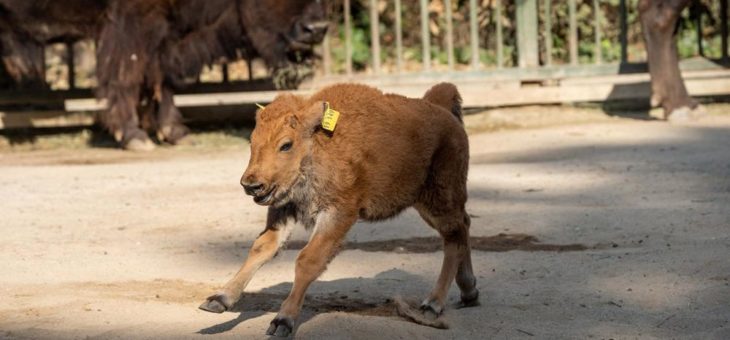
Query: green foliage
608	25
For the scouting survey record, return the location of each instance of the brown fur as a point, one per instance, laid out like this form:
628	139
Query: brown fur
387	153
146	48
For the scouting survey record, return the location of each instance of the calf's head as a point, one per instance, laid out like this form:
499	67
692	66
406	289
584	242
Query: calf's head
281	146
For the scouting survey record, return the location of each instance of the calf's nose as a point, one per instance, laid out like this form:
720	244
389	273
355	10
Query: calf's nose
252	188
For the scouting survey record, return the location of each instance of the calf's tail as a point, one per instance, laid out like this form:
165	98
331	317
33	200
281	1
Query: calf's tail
447	96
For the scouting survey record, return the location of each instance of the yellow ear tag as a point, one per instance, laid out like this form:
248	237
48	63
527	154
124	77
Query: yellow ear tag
260	106
329	119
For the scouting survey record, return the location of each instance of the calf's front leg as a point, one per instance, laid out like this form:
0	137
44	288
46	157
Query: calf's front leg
278	227
329	231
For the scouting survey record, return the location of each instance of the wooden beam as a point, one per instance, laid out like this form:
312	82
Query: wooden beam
375	36
425	36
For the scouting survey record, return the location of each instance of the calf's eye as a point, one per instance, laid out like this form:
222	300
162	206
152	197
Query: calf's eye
285	147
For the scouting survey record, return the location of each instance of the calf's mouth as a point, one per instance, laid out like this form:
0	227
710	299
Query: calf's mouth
265	198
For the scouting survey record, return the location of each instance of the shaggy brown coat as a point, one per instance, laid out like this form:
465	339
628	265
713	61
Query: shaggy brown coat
387	153
148	47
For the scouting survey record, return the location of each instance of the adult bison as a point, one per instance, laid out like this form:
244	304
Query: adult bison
147	48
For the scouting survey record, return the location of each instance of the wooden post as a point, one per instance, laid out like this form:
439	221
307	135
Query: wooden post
224	70
70	56
375	35
327	53
425	36
572	33
348	37
500	41
527	49
449	35
474	34
623	35
723	29
598	58
398	37
548	33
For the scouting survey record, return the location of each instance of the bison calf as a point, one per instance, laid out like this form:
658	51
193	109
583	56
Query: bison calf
384	154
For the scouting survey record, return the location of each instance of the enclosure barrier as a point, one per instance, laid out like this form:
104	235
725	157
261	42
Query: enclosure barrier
525	69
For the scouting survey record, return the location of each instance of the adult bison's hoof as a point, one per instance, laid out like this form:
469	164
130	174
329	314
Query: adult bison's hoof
217	303
139	144
280	326
431	309
173	134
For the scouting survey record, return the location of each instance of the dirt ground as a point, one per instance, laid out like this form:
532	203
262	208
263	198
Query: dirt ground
607	228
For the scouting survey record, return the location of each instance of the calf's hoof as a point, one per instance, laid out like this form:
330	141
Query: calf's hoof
217	303
280	326
469	300
431	309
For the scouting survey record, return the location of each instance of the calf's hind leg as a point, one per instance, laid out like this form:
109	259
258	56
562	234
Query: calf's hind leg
278	228
441	205
454	229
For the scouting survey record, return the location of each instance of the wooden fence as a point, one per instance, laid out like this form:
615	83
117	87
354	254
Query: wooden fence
535	77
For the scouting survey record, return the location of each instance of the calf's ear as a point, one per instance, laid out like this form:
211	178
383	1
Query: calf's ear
311	118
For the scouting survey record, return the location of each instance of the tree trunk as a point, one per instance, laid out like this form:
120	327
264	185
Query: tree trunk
658	23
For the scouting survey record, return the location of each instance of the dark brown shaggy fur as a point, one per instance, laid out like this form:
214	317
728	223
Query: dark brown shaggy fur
387	153
148	47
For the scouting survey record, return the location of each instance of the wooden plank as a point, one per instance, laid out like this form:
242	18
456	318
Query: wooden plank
597	52
572	33
327	55
398	37
623	31
348	37
425	36
474	33
45	119
548	33
71	62
449	35
527	37
375	36
499	39
724	29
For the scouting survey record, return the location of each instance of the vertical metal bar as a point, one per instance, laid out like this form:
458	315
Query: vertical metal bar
425	36
71	56
723	30
449	34
548	33
348	37
572	33
375	35
598	57
623	35
224	70
500	41
474	33
398	37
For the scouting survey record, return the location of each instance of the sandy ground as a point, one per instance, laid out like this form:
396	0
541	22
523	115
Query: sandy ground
632	219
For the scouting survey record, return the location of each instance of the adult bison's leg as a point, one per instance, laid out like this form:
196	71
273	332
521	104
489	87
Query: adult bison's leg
127	43
121	118
658	22
278	228
170	127
329	231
